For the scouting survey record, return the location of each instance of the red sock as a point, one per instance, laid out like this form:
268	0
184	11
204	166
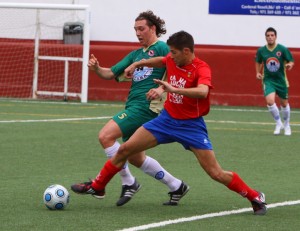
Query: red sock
105	175
239	186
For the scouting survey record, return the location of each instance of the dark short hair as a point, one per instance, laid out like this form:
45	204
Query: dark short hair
271	29
181	40
152	19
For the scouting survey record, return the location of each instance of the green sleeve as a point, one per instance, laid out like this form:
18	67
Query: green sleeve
258	57
288	55
118	69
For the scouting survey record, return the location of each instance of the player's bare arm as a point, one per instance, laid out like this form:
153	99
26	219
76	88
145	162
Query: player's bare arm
289	65
258	68
153	62
201	91
102	72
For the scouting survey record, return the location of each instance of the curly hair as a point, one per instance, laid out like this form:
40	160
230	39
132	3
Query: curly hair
152	19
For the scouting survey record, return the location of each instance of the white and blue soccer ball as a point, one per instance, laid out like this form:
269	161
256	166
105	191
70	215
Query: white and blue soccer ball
56	197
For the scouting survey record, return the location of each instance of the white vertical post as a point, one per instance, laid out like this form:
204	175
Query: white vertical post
36	55
66	82
86	48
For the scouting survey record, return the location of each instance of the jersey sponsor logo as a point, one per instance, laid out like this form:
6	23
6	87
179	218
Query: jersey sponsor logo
142	73
173	97
151	53
273	64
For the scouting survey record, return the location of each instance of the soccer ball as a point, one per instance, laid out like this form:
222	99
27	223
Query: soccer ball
56	197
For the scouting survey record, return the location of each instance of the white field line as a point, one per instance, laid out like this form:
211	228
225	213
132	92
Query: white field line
240	122
55	120
108	117
63	103
222	108
205	216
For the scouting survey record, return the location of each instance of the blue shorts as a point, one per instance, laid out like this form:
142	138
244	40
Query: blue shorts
189	132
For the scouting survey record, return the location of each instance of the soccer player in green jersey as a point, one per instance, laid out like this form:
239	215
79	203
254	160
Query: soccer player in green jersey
138	110
272	61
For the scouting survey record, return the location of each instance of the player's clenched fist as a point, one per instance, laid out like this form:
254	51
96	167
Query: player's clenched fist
93	63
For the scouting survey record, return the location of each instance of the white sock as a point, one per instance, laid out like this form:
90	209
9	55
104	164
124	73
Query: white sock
126	177
273	109
154	169
286	113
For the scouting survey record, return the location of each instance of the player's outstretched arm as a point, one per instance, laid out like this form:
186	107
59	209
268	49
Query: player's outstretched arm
201	91
102	72
153	62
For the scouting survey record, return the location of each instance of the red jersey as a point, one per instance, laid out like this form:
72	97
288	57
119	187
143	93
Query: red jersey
189	76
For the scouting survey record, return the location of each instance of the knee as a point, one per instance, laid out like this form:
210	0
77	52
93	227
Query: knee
104	139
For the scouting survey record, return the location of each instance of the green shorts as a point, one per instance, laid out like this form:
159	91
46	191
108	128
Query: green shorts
280	89
130	119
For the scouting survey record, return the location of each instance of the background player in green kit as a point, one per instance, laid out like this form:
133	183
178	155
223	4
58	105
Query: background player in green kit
138	109
272	60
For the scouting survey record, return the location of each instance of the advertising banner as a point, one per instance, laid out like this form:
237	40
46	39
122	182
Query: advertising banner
255	7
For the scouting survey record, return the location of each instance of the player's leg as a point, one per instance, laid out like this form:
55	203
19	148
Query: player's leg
285	110
286	113
154	169
139	141
108	136
269	92
136	144
208	162
161	128
192	134
129	120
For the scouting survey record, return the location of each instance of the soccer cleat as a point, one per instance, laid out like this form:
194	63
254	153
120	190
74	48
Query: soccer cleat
287	130
278	129
128	192
259	204
177	195
86	188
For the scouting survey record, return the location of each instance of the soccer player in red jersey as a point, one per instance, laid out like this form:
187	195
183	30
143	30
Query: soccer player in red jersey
188	86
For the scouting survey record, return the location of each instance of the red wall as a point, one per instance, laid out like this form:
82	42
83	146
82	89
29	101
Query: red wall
233	70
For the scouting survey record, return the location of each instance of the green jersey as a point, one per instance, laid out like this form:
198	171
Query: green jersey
274	63
142	80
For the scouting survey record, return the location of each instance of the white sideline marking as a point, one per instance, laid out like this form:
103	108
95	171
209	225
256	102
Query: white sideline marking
201	217
121	104
108	117
241	122
55	120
